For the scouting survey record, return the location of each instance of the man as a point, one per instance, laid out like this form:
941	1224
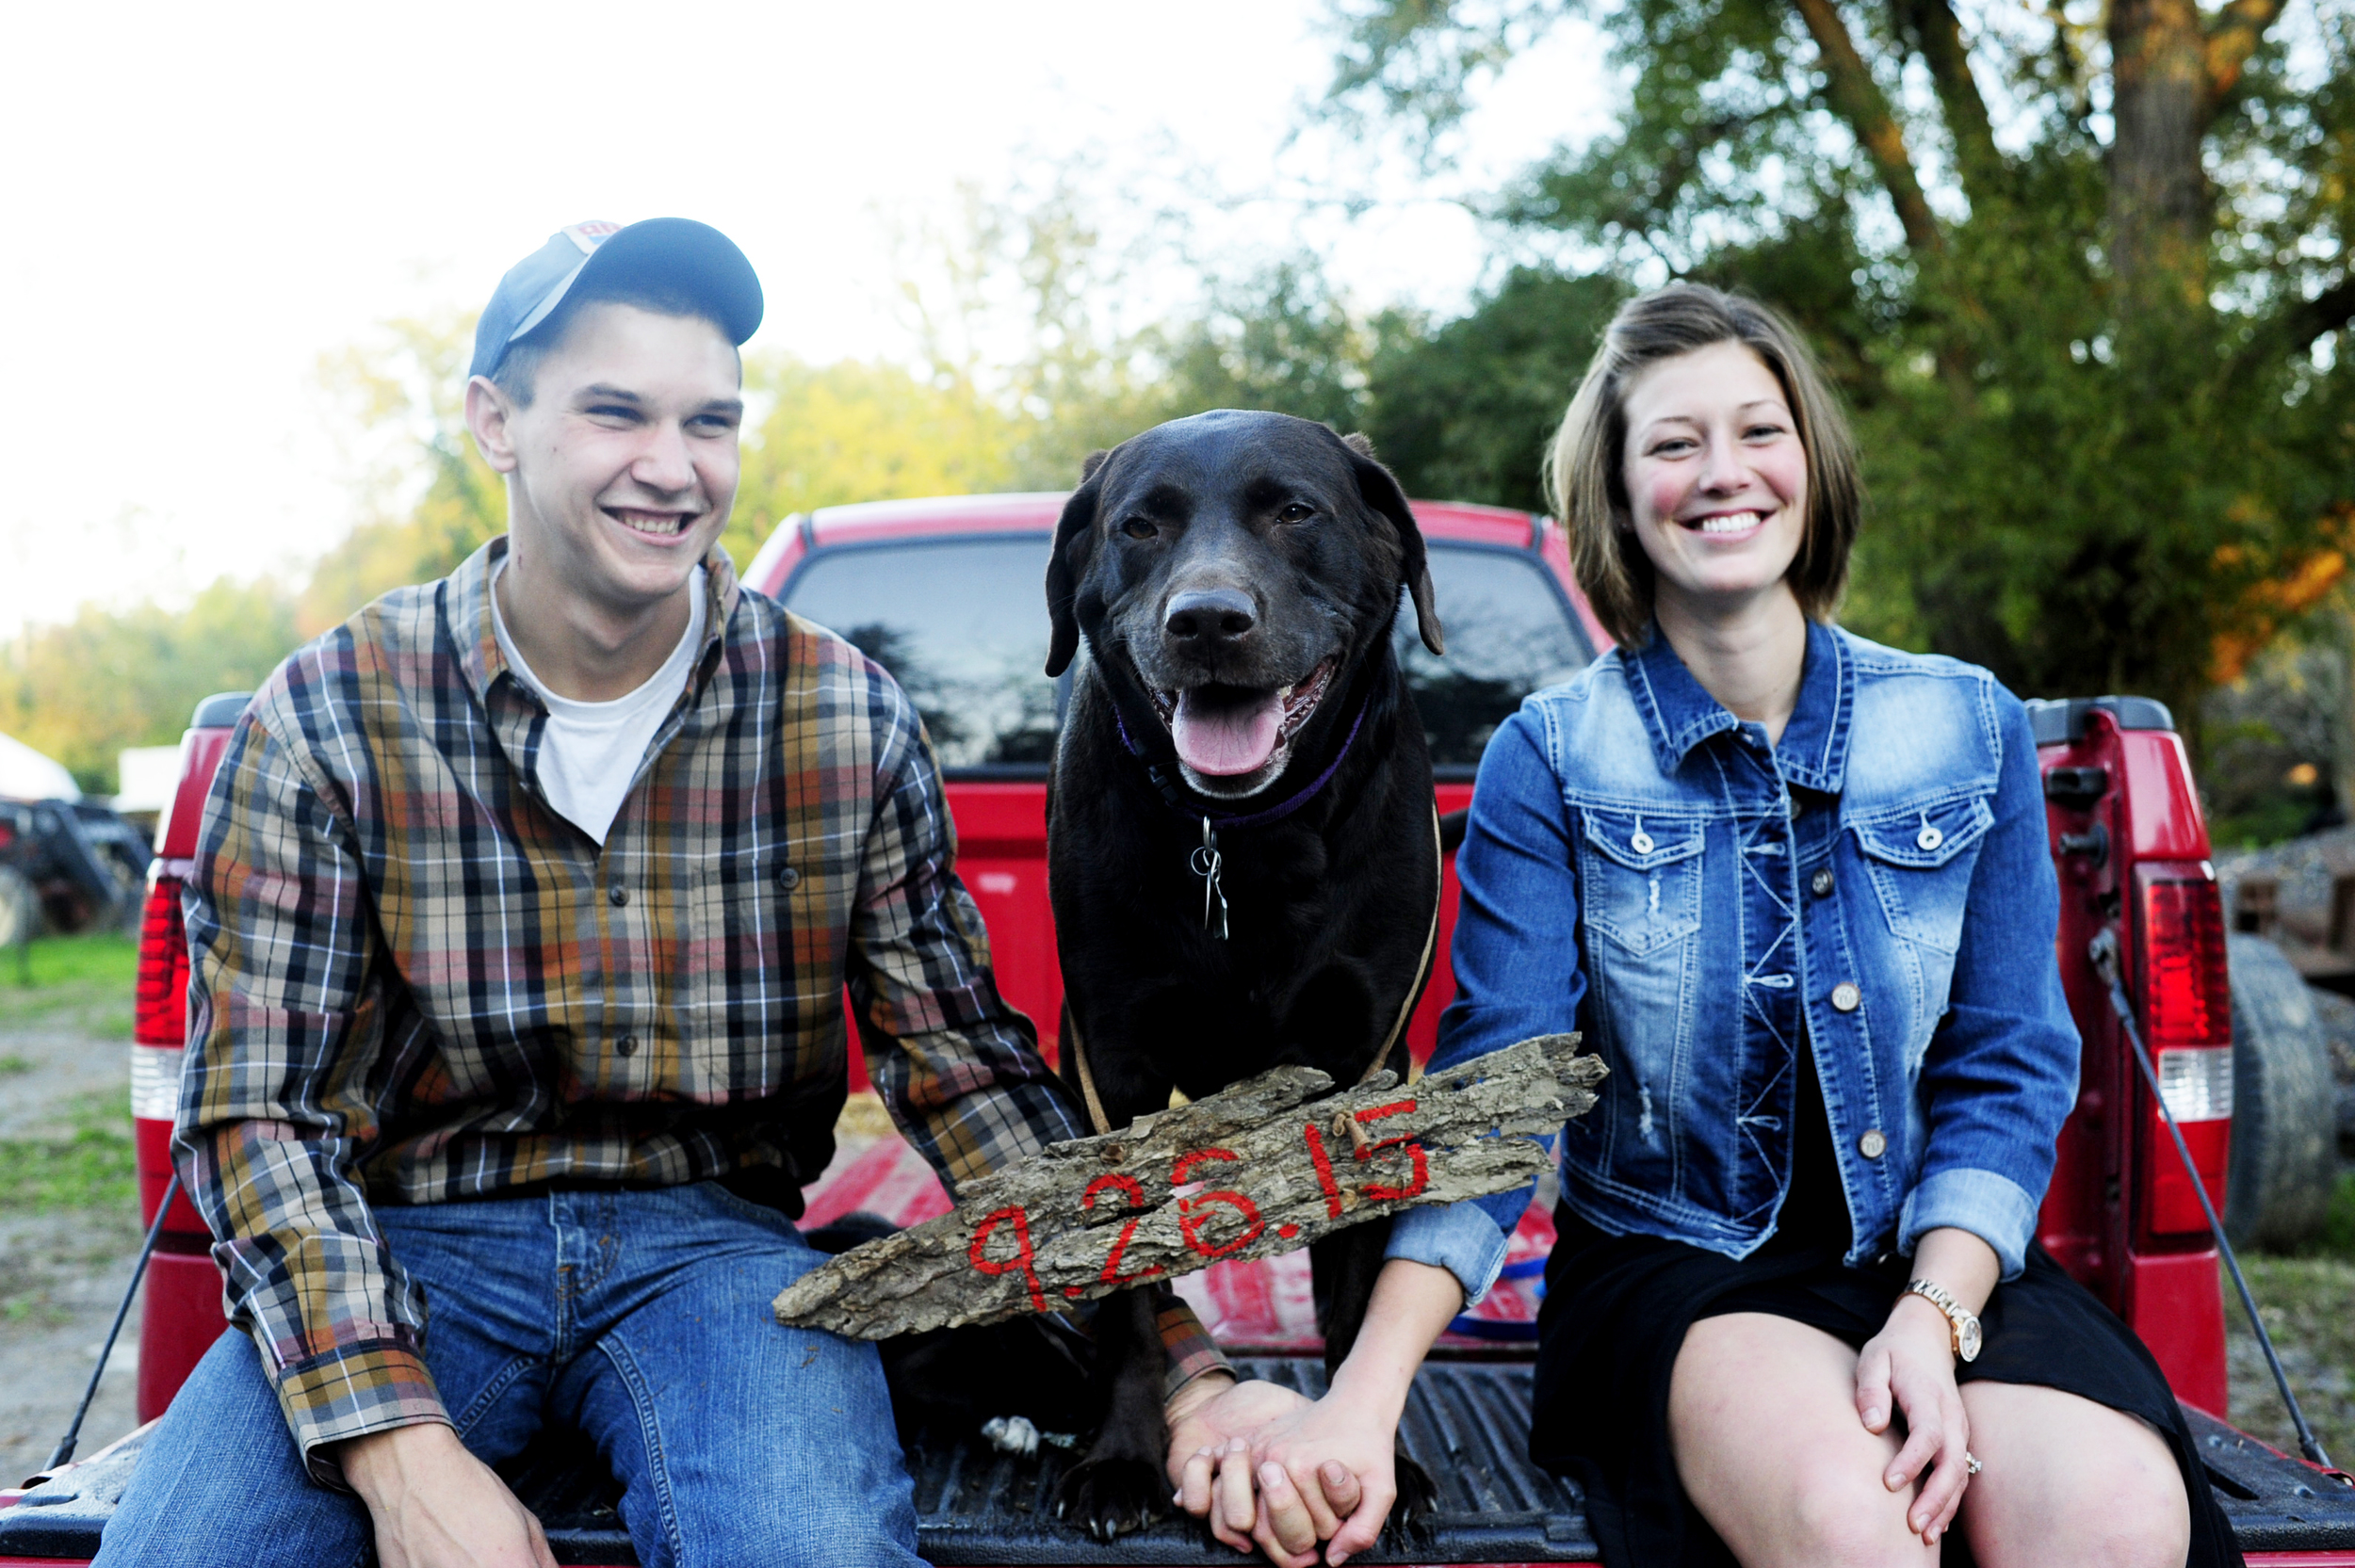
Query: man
520	928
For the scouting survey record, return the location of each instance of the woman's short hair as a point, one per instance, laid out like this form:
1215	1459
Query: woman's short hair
1586	472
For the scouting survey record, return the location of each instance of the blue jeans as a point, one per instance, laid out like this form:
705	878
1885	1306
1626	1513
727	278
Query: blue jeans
640	1317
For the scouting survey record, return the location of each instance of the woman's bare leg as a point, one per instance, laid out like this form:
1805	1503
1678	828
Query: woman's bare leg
1763	1419
2068	1481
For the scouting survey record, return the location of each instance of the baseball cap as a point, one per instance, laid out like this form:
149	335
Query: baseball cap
678	252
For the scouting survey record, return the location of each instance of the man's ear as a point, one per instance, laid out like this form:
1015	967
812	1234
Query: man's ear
489	412
1381	491
1075	541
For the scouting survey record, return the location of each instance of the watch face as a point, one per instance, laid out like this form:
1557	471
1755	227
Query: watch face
1967	1337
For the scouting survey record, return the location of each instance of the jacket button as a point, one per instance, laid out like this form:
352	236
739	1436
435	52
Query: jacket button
628	1045
1872	1145
787	877
1641	843
1929	837
618	893
1846	997
1822	883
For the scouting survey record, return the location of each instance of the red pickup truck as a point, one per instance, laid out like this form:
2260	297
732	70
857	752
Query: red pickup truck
946	593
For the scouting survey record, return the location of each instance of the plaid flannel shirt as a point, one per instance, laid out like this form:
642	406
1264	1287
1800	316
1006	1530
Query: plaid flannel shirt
413	982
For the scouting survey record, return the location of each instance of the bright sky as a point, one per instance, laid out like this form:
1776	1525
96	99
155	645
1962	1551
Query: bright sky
210	198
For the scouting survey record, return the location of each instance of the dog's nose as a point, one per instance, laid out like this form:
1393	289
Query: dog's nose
1210	615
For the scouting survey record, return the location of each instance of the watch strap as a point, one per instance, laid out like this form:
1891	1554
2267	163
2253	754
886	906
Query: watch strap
1956	1315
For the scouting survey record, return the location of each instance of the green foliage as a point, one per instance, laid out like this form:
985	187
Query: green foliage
85	689
1465	411
2087	474
852	432
431	499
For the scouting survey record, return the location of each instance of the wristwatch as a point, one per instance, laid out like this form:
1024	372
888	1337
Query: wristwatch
1965	1323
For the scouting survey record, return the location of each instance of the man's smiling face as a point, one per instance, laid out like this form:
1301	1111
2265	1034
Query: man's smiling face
624	463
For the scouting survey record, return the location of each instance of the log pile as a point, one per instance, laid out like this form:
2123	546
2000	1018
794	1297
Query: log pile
1265	1167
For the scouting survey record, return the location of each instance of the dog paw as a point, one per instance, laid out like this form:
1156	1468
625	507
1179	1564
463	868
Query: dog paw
1113	1497
1417	1503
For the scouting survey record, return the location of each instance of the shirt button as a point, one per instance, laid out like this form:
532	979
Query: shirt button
1872	1145
628	1045
619	894
1822	884
1846	997
787	877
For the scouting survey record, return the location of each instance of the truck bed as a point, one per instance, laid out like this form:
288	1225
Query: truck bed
1465	1422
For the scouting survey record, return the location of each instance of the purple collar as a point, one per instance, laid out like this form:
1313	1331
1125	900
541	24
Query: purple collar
1168	787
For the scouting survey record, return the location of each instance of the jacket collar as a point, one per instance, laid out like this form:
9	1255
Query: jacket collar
466	612
1679	714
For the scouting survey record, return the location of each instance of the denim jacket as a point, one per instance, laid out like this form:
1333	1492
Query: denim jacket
1643	866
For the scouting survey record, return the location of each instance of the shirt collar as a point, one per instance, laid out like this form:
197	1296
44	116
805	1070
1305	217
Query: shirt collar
466	612
1679	714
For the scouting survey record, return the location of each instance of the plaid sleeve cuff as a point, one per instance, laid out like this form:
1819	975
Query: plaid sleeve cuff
351	1391
1191	1350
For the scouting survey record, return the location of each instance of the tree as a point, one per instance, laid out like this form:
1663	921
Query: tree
83	691
2083	285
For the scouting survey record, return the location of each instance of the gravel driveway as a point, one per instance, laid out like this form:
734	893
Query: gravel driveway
64	1070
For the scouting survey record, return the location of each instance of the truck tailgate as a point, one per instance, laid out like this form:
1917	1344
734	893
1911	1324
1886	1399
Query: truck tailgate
1465	1422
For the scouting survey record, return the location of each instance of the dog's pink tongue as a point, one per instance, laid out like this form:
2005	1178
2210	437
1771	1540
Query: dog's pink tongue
1225	738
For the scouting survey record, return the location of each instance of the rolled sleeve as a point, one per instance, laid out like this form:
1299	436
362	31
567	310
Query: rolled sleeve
1997	1209
2001	1073
1516	974
1462	1238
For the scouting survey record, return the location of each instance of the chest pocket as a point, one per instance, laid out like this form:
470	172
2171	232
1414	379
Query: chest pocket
1640	877
1920	862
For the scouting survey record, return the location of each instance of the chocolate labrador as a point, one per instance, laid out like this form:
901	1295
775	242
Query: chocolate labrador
1241	843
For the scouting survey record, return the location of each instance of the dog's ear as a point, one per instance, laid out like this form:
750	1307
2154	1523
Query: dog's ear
1381	491
1075	541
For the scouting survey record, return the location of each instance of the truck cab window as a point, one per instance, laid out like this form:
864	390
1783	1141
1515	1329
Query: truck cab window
961	623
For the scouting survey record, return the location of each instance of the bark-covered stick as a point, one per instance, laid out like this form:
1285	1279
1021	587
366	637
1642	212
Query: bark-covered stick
1269	1165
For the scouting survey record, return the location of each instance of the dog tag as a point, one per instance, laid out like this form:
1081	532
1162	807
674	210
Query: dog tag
1207	864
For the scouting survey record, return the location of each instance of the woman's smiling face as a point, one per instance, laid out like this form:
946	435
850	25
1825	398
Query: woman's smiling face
1716	478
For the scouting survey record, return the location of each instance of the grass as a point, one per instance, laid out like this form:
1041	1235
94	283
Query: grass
88	1163
2308	1299
64	962
93	974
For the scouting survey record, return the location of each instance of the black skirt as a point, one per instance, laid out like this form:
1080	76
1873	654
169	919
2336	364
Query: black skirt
1615	1317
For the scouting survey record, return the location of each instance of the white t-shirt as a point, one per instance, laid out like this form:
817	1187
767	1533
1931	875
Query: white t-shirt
589	752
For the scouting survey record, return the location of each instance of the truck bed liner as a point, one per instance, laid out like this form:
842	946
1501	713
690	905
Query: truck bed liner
1465	1422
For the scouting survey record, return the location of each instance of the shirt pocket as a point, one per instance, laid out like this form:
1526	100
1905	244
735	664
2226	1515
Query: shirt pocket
1920	861
1641	877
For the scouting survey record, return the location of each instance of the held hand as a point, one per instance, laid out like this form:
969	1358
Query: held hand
1909	1367
1212	1423
434	1505
1337	1456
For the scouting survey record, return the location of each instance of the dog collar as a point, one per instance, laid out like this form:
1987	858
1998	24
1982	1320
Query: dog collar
1169	787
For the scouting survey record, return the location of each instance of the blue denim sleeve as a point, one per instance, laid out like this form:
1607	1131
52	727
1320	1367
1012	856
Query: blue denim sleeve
2001	1073
1517	971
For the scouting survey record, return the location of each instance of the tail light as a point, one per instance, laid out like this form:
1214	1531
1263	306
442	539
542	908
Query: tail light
2187	1023
158	1035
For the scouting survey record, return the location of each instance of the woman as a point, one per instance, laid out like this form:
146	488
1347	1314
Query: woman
1795	890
